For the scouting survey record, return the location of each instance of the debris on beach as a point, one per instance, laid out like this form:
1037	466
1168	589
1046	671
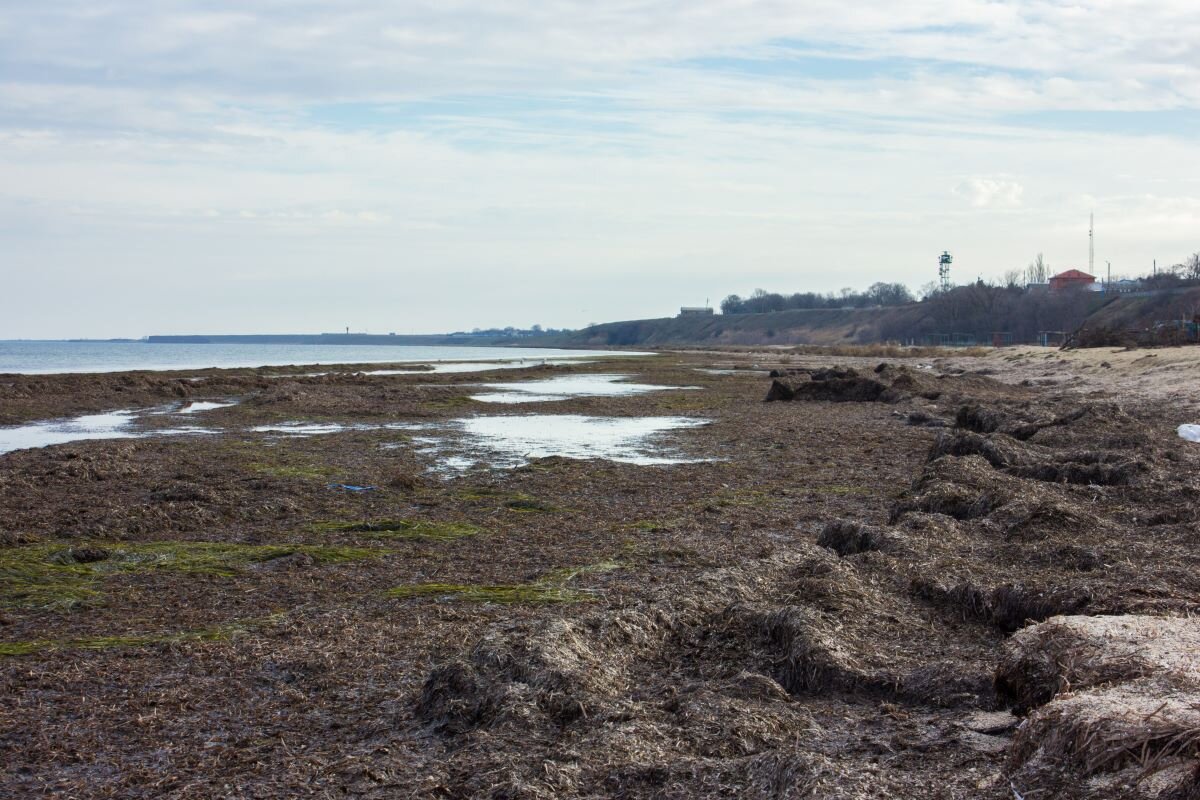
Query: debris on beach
888	383
966	586
1113	703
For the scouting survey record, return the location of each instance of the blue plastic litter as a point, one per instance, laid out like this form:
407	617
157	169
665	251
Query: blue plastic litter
350	488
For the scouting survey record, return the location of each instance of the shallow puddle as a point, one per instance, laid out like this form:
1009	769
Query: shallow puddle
123	425
567	386
112	425
511	440
301	428
321	428
204	405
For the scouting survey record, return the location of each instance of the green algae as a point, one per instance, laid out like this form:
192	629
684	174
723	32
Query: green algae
403	529
564	575
58	576
477	494
740	498
28	647
304	472
524	504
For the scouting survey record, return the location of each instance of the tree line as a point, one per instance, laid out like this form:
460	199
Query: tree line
881	293
535	330
762	301
978	310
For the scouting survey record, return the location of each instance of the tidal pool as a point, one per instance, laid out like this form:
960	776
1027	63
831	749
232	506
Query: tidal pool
111	425
512	440
567	386
204	405
301	428
320	428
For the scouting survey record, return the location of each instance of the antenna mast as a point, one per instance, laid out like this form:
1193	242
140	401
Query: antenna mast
944	262
1092	243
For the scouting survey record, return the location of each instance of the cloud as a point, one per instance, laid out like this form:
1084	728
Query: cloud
384	48
656	141
990	192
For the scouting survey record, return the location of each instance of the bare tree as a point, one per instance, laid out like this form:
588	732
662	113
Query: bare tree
889	294
1038	271
1012	278
1191	267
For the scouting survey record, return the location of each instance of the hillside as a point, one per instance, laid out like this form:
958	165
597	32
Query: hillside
810	326
1143	311
967	314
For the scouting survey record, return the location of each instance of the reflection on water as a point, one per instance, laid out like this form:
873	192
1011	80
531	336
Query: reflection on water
567	386
113	425
511	440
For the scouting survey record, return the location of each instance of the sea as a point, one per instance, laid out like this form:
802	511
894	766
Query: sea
49	357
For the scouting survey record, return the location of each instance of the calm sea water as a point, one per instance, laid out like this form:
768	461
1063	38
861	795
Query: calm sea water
33	357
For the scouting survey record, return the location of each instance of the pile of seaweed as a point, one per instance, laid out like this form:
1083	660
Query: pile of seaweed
886	383
1026	509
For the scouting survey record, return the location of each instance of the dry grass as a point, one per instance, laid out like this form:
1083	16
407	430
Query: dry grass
550	588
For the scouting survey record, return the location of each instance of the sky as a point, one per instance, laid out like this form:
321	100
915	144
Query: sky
252	167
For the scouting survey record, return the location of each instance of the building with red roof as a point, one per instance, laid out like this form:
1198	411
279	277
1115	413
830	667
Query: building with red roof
1071	279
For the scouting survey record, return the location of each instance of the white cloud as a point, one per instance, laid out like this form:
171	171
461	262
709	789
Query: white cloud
991	192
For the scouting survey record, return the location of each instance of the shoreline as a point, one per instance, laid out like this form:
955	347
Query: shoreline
115	357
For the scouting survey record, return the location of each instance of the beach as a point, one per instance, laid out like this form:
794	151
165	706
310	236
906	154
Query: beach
641	581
